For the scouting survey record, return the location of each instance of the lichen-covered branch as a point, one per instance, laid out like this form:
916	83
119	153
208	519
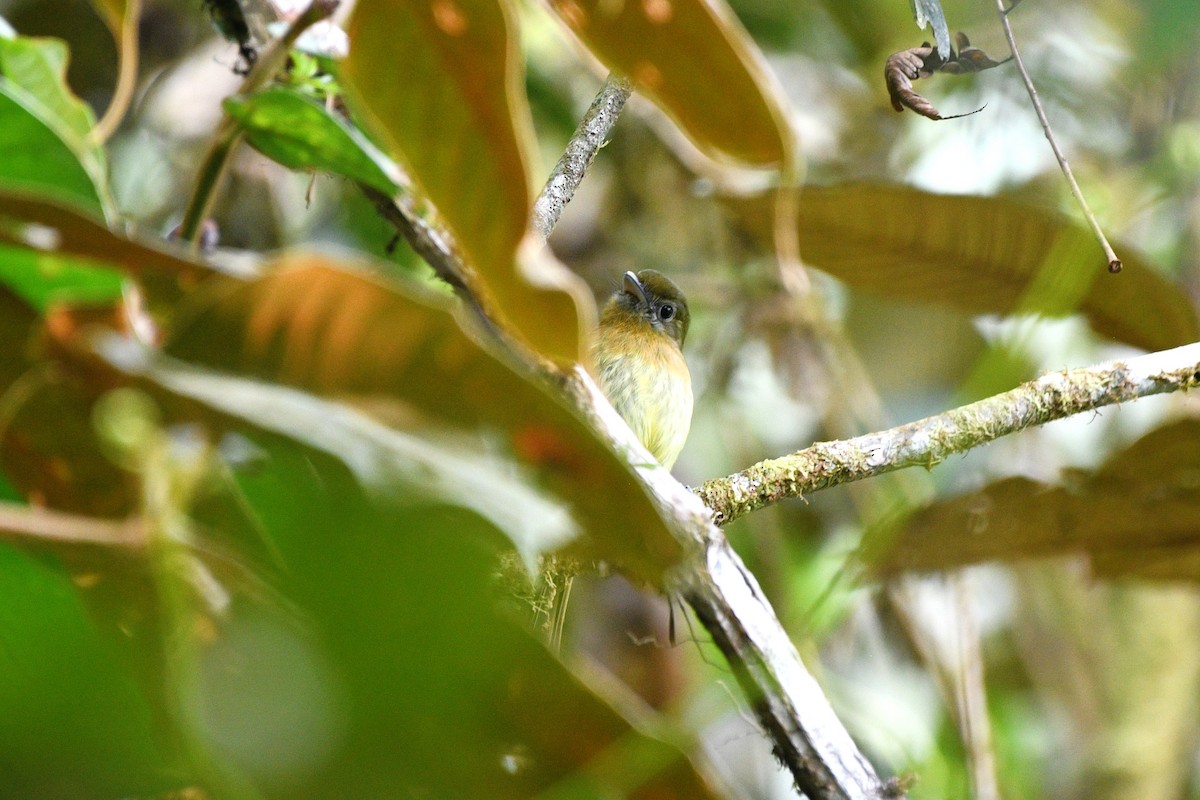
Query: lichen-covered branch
589	137
929	441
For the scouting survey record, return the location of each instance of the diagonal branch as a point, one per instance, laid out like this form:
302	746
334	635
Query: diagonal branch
589	137
931	440
803	728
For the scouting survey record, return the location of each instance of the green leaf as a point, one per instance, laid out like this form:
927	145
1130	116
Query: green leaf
410	676
65	695
40	154
39	66
452	109
685	54
979	255
298	133
389	543
1135	516
323	326
43	278
50	231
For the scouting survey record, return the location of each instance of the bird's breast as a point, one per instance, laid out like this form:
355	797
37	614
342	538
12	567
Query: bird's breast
647	381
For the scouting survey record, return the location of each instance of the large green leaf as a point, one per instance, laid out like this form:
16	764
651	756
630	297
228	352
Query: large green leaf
318	324
440	85
290	128
66	697
979	255
1135	515
695	60
414	680
38	153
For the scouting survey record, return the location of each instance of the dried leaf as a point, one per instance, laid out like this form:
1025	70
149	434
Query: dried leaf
900	71
1135	515
977	255
902	68
969	59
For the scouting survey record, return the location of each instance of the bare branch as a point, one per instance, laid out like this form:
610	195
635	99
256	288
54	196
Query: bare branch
931	440
589	137
1114	263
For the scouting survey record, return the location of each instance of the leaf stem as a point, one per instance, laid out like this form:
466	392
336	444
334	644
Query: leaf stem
216	160
1114	263
589	137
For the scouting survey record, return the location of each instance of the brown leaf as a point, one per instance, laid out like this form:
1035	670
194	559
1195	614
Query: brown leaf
902	68
900	71
454	111
969	59
1135	515
321	325
978	255
679	52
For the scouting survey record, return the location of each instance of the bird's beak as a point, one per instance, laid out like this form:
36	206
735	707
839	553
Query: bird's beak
634	288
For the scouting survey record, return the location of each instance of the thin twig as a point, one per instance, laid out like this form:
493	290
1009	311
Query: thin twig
216	160
589	137
928	441
1114	263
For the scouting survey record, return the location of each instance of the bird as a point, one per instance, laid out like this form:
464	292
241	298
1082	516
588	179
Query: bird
639	361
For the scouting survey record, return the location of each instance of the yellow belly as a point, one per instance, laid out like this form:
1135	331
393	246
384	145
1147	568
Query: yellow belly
652	391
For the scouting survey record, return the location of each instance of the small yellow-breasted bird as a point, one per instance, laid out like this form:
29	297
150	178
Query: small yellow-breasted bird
639	360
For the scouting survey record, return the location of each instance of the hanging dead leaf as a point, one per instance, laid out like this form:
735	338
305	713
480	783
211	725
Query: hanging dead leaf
900	71
902	68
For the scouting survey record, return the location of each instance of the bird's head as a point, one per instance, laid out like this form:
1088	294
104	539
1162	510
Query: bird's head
649	298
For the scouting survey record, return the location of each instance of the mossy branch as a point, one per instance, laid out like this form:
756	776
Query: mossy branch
931	440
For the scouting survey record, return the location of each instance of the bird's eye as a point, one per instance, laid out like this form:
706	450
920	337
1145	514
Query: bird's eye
666	312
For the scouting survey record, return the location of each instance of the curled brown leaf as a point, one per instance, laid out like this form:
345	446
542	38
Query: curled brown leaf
900	71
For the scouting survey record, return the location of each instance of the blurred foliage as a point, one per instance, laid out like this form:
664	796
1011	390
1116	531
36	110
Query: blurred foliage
342	484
